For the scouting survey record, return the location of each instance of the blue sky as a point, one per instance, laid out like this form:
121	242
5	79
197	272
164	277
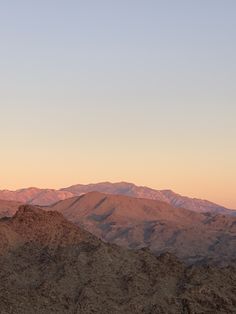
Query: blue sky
137	90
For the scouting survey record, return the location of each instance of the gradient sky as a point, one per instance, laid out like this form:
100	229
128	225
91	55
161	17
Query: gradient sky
140	91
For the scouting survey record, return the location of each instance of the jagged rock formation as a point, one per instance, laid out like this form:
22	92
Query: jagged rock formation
48	265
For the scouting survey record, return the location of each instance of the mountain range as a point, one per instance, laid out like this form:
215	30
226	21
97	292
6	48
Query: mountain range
136	223
44	197
35	196
49	265
205	233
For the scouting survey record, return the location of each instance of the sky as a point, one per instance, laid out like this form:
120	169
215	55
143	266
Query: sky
128	90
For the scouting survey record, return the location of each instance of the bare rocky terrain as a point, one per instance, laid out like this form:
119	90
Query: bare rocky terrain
49	265
136	223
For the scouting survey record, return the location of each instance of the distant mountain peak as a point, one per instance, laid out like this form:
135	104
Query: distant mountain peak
46	197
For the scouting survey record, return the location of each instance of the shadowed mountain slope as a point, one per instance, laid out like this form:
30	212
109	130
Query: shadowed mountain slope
48	265
136	223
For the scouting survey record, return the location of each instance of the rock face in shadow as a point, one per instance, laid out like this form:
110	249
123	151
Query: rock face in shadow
48	265
136	223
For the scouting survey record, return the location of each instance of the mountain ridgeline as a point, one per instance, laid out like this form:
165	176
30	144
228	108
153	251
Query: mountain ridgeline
194	236
168	196
46	197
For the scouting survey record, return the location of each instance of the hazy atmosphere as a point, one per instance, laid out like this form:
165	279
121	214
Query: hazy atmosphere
139	91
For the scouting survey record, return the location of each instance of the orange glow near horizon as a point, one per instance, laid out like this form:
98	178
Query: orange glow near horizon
177	160
85	98
208	181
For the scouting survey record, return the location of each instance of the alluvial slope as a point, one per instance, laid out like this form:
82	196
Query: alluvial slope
35	196
129	189
48	265
137	223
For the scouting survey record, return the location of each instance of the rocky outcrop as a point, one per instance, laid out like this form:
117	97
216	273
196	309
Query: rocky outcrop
48	265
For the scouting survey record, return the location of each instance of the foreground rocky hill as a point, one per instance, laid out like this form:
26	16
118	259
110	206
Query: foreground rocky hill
136	223
48	265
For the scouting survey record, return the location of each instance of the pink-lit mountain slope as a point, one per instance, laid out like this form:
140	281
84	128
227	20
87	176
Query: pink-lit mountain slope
35	196
45	197
135	223
167	196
